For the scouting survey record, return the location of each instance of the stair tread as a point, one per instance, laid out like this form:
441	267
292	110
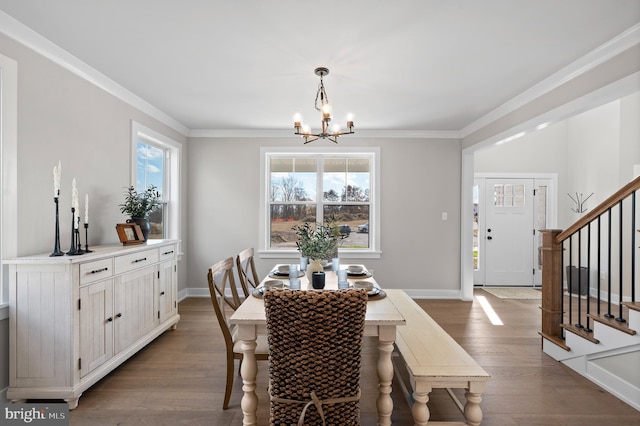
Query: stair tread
580	332
611	322
555	339
635	306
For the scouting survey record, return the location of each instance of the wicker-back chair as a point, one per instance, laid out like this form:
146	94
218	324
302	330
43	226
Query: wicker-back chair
247	271
315	352
220	279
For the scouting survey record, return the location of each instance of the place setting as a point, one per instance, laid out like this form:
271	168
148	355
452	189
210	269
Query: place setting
284	271
358	271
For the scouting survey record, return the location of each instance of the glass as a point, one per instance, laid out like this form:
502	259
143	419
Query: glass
283	218
356	217
335	263
294	284
293	179
150	167
346	179
293	271
342	279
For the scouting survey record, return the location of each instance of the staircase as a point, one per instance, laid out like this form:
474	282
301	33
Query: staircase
590	309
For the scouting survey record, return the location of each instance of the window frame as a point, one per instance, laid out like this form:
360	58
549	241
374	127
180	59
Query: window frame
171	174
8	173
374	250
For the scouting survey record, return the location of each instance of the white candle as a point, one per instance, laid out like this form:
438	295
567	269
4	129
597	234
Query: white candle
56	179
86	208
74	200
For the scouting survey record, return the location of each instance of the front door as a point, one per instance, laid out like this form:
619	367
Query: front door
509	232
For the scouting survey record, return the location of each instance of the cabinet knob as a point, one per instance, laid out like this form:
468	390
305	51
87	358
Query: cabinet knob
109	319
162	293
119	315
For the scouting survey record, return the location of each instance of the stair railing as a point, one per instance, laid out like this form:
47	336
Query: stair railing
558	250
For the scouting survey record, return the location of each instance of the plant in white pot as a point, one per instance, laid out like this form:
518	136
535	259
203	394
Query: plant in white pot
317	243
139	205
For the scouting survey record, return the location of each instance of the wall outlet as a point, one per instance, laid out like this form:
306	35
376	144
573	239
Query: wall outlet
444	215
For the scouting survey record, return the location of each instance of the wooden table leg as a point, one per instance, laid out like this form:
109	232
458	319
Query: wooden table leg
386	337
249	371
472	410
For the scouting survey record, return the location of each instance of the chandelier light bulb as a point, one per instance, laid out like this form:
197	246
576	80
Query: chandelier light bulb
297	119
336	128
306	130
326	111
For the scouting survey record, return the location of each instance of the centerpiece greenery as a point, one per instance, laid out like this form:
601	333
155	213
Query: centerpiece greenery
140	204
319	241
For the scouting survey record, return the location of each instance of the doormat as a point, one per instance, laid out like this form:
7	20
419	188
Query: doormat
514	293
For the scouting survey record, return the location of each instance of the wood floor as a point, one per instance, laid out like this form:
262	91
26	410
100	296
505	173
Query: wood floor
179	378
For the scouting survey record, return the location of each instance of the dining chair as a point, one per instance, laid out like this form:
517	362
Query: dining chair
315	351
220	279
247	271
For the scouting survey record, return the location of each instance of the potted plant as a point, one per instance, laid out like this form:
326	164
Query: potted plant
317	243
139	205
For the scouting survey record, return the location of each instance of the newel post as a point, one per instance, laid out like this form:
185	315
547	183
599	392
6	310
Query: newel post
551	284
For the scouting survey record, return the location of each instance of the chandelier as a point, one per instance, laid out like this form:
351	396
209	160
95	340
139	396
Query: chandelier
322	104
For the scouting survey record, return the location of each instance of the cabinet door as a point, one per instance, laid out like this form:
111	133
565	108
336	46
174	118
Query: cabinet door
96	325
134	306
167	299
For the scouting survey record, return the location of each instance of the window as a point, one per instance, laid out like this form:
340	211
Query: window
316	186
151	172
156	161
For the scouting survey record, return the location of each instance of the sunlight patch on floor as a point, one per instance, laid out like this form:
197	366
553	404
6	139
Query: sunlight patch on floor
488	310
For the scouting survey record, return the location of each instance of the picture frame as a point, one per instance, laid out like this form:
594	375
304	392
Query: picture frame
129	234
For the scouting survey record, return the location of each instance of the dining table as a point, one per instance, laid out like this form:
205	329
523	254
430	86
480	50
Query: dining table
381	320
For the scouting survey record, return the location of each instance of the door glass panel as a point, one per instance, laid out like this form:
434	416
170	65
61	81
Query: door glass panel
476	245
508	195
540	218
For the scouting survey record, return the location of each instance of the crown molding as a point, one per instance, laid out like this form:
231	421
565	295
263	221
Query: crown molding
19	32
601	54
288	133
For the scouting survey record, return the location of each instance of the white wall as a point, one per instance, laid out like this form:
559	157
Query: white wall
420	179
593	152
63	117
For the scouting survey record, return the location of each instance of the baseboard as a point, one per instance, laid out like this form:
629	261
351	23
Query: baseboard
3	395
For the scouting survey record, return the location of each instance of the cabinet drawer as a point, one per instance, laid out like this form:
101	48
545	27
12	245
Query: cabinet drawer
137	260
167	252
95	271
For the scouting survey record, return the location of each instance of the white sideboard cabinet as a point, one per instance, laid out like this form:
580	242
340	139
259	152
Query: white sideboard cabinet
73	319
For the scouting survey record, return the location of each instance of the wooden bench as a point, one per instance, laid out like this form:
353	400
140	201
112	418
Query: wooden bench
434	360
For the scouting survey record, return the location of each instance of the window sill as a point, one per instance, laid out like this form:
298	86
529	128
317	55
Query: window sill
289	254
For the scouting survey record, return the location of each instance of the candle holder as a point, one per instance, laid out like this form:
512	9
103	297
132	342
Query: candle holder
73	250
79	250
86	239
56	245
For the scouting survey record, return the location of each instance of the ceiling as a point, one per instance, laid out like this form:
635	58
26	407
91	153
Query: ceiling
410	65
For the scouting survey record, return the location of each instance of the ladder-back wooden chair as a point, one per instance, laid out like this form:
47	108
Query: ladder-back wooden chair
247	271
220	279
